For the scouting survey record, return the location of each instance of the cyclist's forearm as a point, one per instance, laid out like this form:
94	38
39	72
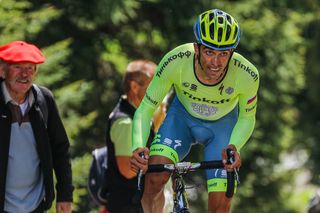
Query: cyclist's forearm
242	131
141	125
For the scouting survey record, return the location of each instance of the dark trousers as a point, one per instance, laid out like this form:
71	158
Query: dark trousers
39	209
128	209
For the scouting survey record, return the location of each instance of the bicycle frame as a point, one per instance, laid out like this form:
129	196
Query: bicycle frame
180	197
178	170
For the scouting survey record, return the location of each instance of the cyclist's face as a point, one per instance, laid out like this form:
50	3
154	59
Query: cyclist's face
213	62
19	78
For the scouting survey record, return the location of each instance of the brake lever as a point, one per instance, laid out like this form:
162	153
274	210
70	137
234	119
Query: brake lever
138	195
230	154
140	174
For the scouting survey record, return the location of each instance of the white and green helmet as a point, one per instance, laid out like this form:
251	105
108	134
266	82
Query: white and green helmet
217	29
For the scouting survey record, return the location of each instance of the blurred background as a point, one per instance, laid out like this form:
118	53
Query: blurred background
89	43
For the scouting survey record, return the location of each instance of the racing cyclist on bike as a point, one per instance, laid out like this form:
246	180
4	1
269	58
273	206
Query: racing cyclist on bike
215	105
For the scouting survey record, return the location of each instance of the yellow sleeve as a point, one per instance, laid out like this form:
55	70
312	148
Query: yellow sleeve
167	71
247	109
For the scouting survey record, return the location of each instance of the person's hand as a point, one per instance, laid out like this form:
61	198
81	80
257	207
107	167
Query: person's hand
237	160
64	207
139	163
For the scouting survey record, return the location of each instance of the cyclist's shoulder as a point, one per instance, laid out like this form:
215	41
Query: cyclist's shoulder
241	62
175	59
183	51
186	47
243	68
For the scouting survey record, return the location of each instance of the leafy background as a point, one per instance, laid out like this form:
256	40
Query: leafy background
89	43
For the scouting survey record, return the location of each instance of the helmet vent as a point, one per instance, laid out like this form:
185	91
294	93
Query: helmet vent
228	32
229	19
203	30
235	33
220	20
220	34
212	31
211	16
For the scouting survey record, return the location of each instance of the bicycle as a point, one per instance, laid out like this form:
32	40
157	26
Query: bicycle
178	170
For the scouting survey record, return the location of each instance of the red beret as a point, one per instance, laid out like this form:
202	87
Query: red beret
20	51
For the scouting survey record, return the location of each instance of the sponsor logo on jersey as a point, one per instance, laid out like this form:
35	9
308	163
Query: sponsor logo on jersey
251	108
174	157
223	173
154	102
203	109
229	90
215	184
185	84
193	87
167	141
204	99
251	99
177	143
221	88
156	139
156	150
172	58
246	68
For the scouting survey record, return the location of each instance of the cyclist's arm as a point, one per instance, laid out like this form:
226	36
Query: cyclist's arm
167	73
120	134
247	111
141	128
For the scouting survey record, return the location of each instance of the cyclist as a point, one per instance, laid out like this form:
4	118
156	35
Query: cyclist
215	105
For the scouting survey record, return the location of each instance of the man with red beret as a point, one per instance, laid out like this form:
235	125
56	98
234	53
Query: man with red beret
33	140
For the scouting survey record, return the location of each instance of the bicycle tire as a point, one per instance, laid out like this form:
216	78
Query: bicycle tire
183	211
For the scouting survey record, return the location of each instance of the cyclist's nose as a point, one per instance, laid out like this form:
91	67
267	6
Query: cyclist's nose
215	60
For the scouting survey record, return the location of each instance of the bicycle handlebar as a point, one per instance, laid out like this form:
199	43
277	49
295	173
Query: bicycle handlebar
184	166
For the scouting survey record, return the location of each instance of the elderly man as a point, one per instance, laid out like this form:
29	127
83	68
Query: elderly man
33	139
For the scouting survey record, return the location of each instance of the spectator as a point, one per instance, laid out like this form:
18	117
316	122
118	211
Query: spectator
122	180
33	139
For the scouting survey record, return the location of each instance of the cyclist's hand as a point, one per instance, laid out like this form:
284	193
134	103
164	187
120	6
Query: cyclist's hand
139	163
237	160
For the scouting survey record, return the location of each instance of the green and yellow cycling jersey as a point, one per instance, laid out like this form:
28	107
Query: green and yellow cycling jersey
207	102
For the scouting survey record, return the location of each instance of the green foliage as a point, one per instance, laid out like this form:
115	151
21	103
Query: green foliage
24	23
56	55
80	167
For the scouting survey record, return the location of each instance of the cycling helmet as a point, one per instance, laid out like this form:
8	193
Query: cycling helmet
217	29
